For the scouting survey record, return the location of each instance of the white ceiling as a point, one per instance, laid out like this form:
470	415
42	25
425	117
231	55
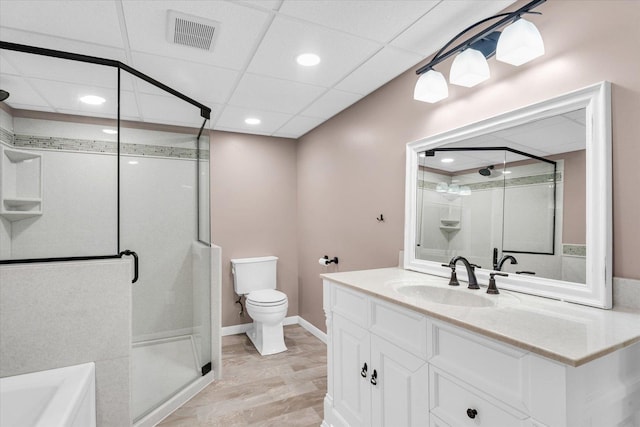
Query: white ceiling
251	71
545	137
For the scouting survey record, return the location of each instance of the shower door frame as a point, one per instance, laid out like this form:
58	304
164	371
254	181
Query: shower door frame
205	113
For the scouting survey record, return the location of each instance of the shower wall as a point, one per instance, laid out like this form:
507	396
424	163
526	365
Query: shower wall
481	228
158	200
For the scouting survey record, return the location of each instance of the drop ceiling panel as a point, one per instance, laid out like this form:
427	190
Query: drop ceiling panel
22	95
67	45
239	32
168	110
443	22
66	97
268	94
262	4
298	126
381	68
232	119
376	20
331	103
340	53
62	70
90	21
204	83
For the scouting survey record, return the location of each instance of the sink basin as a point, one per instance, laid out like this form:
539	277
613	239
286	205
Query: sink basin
460	298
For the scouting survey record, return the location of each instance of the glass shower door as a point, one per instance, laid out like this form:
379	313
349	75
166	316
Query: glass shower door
164	213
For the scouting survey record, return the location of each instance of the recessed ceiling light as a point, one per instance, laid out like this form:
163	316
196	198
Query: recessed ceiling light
92	100
252	121
308	59
447	160
133	162
110	131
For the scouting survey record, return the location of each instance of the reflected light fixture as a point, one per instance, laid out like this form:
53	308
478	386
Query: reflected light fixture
518	43
110	131
92	99
447	160
252	121
308	59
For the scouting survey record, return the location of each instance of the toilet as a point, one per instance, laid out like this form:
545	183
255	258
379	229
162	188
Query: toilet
255	278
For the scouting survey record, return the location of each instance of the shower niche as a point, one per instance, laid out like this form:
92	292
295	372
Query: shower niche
21	185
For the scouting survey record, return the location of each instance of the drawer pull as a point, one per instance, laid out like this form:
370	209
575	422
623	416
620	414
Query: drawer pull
471	413
374	377
363	373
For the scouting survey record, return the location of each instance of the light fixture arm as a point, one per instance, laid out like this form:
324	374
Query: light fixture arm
507	18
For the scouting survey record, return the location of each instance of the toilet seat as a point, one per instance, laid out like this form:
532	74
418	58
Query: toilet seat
266	298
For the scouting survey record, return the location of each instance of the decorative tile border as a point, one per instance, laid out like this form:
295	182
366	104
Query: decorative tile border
574	250
511	182
96	146
6	137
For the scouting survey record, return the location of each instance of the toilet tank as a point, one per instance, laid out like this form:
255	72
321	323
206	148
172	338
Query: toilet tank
253	274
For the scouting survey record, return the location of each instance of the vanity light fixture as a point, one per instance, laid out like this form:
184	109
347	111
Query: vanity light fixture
252	121
92	99
308	59
519	42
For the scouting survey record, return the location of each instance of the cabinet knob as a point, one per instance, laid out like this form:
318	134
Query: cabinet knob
363	372
471	413
374	377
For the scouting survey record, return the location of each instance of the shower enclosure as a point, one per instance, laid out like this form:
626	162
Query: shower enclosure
100	161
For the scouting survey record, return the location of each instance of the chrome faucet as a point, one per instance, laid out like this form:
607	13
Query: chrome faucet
499	264
471	275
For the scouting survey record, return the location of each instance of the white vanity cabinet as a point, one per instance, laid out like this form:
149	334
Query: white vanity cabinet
429	372
375	381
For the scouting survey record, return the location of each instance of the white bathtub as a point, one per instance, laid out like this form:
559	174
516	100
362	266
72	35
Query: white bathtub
64	397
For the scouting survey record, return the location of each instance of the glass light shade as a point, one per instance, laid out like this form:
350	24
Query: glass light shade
431	87
442	187
469	68
519	43
465	190
454	189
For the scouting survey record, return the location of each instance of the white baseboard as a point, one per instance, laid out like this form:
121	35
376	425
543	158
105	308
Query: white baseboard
291	320
312	330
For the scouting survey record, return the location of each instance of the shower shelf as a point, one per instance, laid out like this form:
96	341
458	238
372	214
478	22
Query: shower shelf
21	184
449	224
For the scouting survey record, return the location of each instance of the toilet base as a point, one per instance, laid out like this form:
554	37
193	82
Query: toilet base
267	339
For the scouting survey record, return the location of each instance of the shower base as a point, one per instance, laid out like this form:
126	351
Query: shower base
162	368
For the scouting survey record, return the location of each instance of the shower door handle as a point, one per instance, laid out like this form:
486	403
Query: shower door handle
135	263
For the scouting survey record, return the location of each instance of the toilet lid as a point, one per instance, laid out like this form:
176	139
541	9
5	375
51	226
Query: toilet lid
266	296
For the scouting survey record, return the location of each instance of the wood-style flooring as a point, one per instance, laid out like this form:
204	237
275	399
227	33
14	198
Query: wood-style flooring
285	389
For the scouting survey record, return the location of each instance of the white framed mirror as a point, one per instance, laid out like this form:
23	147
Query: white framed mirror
527	192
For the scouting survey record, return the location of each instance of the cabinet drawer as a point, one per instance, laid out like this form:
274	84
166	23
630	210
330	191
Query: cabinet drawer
350	304
502	372
451	402
405	328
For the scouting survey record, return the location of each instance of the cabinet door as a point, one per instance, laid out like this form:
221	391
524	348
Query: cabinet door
400	396
352	390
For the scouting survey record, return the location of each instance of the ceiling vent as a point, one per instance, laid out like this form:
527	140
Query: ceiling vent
192	31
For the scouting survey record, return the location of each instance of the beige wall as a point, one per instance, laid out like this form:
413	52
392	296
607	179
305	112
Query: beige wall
253	209
351	168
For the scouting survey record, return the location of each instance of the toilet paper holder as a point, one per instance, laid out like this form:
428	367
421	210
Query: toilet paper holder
326	261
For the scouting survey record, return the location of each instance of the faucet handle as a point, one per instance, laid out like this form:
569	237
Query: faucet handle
453	281
493	289
475	266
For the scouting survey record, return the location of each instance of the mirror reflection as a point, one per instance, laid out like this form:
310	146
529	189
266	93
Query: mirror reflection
512	200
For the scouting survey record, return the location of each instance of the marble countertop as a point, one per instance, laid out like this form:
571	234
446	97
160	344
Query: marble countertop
569	333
